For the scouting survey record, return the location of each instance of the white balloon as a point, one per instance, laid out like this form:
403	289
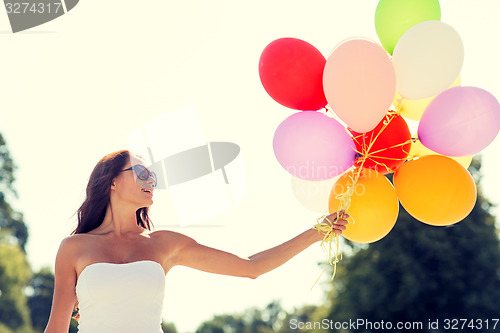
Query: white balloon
313	195
427	59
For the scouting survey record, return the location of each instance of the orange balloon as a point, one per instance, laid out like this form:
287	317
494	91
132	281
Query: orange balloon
435	189
374	205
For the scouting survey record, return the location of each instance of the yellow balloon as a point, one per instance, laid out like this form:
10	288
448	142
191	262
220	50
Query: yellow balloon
435	189
374	205
418	150
414	108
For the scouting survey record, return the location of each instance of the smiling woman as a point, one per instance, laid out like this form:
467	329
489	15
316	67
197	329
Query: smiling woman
115	265
93	210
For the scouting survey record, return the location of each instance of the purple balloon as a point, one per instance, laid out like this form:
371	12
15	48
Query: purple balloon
313	146
460	121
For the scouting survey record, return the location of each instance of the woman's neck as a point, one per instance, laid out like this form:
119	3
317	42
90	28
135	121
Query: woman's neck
120	221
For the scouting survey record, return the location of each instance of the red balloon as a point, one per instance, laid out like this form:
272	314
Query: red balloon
385	147
291	71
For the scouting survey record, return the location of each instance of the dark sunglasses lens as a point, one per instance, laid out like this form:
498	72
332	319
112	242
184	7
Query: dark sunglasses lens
144	174
141	172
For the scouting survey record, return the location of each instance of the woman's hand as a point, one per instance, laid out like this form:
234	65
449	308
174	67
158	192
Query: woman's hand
336	223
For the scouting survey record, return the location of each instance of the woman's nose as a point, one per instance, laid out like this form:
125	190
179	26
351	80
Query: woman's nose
152	179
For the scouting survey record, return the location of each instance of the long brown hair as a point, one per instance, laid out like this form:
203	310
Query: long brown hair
91	212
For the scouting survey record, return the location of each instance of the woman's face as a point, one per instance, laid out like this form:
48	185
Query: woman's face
128	187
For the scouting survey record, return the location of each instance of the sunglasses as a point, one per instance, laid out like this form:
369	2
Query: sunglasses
143	173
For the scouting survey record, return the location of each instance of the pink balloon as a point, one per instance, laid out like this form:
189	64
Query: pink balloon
360	83
460	121
313	146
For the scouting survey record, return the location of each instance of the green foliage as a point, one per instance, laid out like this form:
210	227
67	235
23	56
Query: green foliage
253	320
11	222
273	318
223	324
5	329
420	272
40	300
15	273
7	168
168	328
305	314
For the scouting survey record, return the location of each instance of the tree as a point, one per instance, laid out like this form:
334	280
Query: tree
253	320
168	328
419	273
40	300
298	319
10	220
223	324
15	272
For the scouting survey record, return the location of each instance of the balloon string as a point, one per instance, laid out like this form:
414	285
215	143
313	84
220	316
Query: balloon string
325	228
366	151
326	245
394	146
413	156
329	109
399	104
372	154
372	157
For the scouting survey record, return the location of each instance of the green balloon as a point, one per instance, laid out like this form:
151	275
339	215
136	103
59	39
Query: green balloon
394	17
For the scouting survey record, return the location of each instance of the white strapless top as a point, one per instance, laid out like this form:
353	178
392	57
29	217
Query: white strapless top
121	298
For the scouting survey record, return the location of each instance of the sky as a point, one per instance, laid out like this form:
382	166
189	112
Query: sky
74	89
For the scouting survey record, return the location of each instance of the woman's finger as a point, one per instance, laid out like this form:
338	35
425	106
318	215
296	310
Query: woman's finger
341	222
345	216
332	218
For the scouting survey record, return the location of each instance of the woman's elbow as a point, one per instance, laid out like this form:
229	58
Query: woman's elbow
253	270
252	275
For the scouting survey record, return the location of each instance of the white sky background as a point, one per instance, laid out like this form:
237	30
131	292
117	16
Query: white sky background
73	89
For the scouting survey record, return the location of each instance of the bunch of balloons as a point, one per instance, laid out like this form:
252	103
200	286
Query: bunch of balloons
351	120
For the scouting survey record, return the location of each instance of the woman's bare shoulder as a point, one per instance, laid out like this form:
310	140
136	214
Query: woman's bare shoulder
71	245
75	240
170	244
167	234
171	237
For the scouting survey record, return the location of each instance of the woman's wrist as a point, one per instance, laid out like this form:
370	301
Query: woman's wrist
315	235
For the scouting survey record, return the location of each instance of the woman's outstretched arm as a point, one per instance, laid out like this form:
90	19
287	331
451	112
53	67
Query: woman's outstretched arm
189	253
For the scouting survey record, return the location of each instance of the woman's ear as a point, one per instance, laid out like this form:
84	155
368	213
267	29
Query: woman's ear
113	185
